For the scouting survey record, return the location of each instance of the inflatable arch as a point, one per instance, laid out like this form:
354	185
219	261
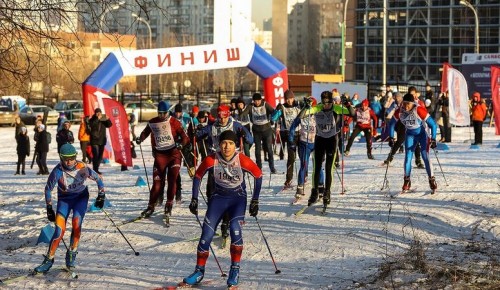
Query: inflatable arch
173	60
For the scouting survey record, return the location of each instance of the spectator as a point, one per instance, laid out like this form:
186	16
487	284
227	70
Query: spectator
41	150
443	103
84	137
64	136
23	149
98	124
478	112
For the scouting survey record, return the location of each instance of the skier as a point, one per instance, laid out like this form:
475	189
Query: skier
228	168
211	133
72	195
327	119
244	120
167	138
286	113
261	114
478	114
307	134
416	121
364	116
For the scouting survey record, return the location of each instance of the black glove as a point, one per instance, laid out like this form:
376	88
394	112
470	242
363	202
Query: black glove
433	143
51	215
138	140
193	206
307	102
279	107
99	201
179	146
391	142
292	146
254	207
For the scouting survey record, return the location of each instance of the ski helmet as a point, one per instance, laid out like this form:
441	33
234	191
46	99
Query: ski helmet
163	107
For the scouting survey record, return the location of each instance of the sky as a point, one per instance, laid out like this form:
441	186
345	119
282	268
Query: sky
261	10
367	240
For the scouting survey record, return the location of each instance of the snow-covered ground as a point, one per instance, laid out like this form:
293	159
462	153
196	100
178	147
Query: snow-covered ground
366	240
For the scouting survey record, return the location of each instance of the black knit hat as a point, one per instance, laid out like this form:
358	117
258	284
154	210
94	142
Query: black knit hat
228	135
256	97
178	108
409	98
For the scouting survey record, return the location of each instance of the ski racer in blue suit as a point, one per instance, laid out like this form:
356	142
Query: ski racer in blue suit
230	196
417	122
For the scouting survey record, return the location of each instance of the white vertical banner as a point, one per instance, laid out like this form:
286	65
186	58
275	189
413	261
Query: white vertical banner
459	100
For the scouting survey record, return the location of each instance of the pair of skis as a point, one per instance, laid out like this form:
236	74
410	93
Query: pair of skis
71	272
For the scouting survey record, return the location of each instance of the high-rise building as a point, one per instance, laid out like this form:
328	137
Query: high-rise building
421	35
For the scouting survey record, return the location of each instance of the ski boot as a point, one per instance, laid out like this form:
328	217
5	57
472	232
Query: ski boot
168	208
147	212
178	195
346	153
370	156
300	191
234	275
71	259
433	184
313	198
337	164
419	164
326	197
45	266
274	171
287	185
196	277
406	184
389	159
321	190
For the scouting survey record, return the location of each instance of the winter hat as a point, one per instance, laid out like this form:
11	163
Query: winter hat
24	130
365	102
97	110
233	100
428	102
327	95
223	111
409	98
336	99
195	110
289	94
228	135
202	114
62	114
257	97
240	101
178	108
41	126
476	94
67	150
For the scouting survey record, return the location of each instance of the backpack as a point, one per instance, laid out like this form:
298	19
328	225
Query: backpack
49	137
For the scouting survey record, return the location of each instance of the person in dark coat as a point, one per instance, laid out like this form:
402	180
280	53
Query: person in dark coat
64	136
23	149
98	124
41	149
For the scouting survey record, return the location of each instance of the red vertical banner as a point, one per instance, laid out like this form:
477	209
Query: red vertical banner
495	96
275	87
119	132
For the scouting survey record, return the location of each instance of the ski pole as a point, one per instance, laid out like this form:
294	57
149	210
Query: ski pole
440	167
135	252
144	164
267	245
386	182
212	250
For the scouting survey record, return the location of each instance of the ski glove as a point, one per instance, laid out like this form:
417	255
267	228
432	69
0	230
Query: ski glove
138	140
433	143
193	206
254	207
51	215
292	146
99	201
391	142
179	146
280	107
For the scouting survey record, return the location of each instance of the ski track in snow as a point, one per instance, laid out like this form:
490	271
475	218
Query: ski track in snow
335	251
